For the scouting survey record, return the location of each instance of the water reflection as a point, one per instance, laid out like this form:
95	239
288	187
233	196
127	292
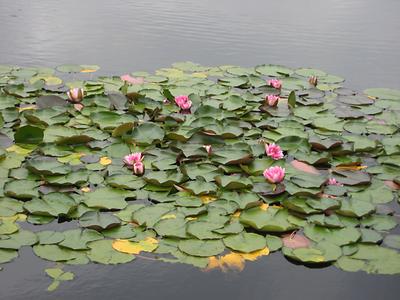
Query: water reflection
357	39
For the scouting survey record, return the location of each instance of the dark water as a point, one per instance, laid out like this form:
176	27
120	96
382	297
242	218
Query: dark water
357	39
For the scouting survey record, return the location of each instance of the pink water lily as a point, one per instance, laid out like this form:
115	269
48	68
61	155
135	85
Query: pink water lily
133	158
272	100
274	174
132	80
333	181
208	149
138	168
274	151
183	102
276	83
75	95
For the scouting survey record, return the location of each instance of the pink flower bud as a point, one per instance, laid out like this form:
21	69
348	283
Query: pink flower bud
274	174
133	158
208	149
272	100
132	80
276	83
183	102
333	181
75	95
273	151
313	81
138	168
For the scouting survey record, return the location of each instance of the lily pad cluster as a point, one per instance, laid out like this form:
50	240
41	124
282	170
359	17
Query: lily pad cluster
202	198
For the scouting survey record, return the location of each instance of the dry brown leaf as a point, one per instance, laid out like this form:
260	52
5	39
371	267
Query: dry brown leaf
295	240
304	167
322	195
213	263
393	185
126	246
170	216
277	206
207	199
231	261
78	106
85	189
234	261
28	107
255	255
236	214
356	166
105	161
88	70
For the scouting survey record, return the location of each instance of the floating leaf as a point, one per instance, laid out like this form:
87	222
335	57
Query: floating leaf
102	252
98	221
29	135
245	242
295	241
202	248
126	246
106	198
58	275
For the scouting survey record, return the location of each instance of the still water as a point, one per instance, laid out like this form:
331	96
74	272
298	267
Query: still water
357	39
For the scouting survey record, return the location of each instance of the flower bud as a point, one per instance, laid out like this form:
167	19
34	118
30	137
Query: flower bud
75	95
138	168
276	83
313	81
208	149
272	100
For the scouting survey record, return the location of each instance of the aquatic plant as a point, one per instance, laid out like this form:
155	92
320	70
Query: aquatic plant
203	197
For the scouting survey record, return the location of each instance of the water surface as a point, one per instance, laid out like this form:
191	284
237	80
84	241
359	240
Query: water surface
357	39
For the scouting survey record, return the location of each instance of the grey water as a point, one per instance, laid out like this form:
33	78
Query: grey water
356	39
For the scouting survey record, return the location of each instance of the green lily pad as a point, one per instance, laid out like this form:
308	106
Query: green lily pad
102	252
272	220
245	242
98	221
77	239
106	198
202	248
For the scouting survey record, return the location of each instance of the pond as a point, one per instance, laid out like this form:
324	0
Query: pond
356	39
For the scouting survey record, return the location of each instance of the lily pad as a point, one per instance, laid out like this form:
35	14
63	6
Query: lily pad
202	248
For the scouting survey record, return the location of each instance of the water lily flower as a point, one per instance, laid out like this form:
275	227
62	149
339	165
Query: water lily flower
273	151
183	102
274	174
138	168
75	95
133	80
208	149
272	100
276	83
313	81
133	158
333	181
